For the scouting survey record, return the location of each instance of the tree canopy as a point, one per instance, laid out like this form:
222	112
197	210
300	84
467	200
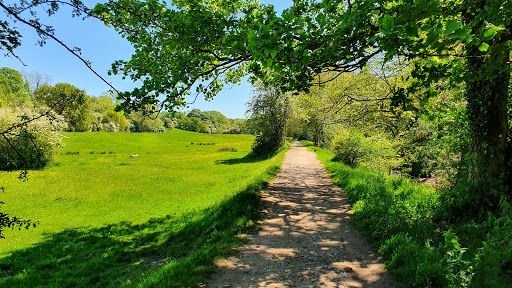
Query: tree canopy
14	91
67	100
203	45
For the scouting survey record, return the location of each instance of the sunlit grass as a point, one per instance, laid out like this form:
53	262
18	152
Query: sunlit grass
102	195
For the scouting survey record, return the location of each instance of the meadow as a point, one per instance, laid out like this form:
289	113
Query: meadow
111	220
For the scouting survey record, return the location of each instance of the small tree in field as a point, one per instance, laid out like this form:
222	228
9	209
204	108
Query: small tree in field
269	111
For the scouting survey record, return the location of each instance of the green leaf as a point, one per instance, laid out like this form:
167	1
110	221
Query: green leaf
461	34
252	36
269	62
388	23
483	47
451	25
411	29
306	60
431	38
489	33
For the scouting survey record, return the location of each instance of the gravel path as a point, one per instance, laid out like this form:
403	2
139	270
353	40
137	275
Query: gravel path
305	237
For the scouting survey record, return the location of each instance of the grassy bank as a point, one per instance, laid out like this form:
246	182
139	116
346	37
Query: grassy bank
110	220
407	224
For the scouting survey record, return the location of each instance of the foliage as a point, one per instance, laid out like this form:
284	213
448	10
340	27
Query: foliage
359	100
145	121
451	43
213	118
111	220
9	222
28	139
68	101
348	148
14	91
192	124
104	117
434	145
28	145
354	148
268	111
404	221
170	119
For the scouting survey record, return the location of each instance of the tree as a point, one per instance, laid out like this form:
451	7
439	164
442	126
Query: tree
104	117
192	124
36	80
268	110
145	121
29	144
69	101
462	41
14	91
10	39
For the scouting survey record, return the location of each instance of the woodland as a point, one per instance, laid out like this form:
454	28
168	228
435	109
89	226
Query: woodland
407	103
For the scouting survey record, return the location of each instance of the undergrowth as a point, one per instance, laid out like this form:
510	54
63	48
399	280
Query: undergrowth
409	224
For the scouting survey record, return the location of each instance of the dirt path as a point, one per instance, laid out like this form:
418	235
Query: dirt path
305	237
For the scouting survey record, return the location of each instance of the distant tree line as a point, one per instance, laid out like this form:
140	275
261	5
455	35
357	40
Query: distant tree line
80	112
212	122
32	112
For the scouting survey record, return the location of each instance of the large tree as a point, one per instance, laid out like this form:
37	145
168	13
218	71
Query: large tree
69	101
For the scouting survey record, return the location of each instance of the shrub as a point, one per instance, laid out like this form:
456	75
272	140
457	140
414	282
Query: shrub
228	149
348	148
353	148
28	146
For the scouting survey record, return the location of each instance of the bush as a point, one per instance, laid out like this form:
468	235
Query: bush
29	146
267	144
348	148
352	148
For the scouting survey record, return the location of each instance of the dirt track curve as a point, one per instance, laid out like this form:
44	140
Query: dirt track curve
305	237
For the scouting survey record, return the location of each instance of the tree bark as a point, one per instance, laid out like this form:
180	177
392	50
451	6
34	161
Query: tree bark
487	92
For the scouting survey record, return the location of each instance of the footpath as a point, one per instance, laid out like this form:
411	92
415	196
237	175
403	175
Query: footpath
305	237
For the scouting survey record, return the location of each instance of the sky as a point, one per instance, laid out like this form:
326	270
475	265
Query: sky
102	46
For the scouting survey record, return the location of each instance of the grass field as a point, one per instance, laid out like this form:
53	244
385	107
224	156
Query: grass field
107	219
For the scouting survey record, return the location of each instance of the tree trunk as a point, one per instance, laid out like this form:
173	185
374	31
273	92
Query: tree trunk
487	82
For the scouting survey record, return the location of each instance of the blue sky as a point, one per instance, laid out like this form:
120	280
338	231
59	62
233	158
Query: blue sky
102	46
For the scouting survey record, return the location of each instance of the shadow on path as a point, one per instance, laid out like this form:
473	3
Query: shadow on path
305	237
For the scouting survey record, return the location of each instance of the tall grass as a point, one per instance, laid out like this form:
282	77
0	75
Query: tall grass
110	220
405	222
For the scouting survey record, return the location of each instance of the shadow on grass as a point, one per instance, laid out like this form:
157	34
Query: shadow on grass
249	158
165	252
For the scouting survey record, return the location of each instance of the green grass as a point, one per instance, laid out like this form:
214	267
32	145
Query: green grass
110	220
405	222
